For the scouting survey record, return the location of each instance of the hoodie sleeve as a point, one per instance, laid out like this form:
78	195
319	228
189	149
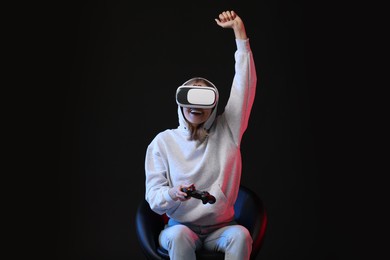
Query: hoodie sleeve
157	183
239	105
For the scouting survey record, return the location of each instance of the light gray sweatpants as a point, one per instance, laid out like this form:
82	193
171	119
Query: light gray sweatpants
181	241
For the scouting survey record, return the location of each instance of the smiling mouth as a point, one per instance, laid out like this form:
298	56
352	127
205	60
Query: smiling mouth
196	111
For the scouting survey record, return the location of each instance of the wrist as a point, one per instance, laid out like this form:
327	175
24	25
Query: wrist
239	32
171	194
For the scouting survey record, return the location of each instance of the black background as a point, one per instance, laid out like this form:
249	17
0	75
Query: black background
113	70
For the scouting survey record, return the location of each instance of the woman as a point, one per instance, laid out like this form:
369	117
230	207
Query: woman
204	150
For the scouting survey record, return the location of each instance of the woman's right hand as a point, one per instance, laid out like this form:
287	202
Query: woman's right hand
176	192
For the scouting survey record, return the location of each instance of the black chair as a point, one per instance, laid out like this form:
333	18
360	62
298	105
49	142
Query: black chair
249	212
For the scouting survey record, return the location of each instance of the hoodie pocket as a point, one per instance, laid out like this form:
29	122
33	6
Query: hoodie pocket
221	202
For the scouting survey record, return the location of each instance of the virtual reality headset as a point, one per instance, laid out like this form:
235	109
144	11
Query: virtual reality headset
196	96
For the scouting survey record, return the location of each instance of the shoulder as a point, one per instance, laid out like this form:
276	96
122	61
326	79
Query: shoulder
163	137
161	142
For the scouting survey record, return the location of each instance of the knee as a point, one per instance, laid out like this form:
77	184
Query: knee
239	243
240	234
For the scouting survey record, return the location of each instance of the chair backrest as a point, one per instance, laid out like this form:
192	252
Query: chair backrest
148	227
249	212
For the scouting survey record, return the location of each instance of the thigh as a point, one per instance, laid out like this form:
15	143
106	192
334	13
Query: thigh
181	234
219	239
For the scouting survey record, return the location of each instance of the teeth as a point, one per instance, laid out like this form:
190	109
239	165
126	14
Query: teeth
196	111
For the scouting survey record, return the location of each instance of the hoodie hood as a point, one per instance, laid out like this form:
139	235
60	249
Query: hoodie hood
183	124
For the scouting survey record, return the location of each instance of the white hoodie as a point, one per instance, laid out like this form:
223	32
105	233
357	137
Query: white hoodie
214	165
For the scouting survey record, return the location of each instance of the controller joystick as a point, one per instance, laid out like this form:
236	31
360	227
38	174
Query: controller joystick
202	195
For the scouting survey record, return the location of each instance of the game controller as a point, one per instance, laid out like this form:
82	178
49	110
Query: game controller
202	195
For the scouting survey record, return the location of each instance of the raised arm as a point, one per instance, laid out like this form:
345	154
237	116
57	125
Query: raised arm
239	105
